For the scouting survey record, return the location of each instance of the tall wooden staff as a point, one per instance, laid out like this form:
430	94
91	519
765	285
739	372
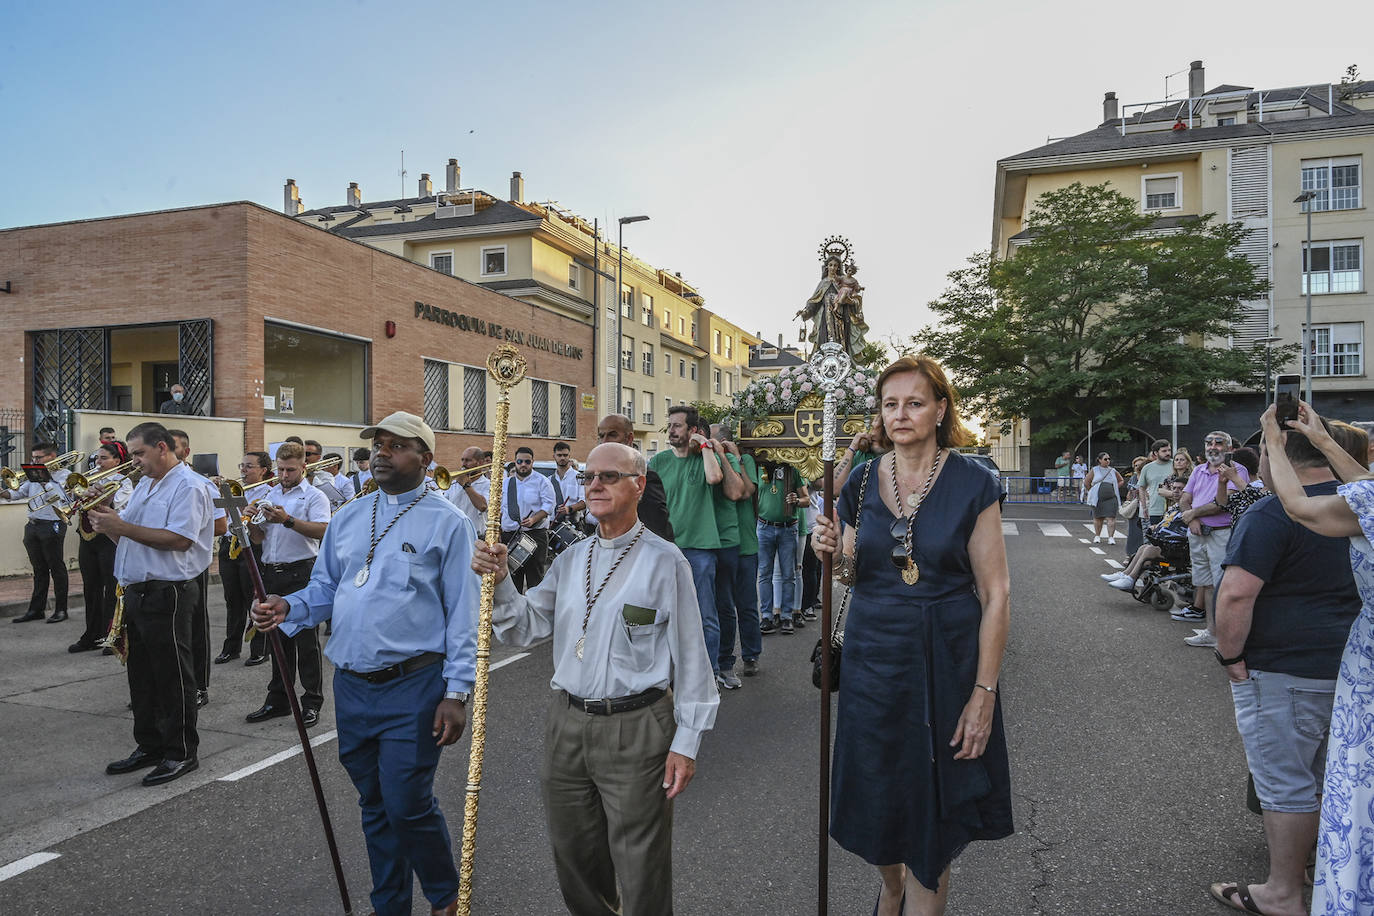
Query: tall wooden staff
507	367
829	366
233	503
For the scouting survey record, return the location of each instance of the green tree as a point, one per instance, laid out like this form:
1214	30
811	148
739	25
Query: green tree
1098	316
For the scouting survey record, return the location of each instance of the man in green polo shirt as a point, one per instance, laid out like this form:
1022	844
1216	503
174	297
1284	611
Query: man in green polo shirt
781	493
737	567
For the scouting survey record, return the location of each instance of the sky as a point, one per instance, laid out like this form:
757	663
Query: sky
748	132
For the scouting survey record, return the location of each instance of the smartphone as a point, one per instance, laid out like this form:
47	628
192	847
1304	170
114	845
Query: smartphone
1226	458
1287	391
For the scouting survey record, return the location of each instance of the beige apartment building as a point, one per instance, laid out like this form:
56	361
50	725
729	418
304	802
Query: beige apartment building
1244	154
655	342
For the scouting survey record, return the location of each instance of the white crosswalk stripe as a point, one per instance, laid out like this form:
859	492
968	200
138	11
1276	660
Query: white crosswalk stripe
1053	530
1009	528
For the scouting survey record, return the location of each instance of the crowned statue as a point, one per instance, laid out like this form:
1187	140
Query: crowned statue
836	308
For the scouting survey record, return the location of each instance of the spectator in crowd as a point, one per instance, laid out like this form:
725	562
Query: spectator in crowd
1160	467
1183	461
1080	470
1209	525
178	404
1063	469
1101	489
1169	490
1284	609
1134	537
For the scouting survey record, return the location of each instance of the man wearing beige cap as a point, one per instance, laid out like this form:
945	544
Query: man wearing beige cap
393	576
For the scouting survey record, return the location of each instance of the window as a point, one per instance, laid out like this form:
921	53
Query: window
494	262
1335	267
667	320
574	275
646	360
729	383
627	354
653	447
694	330
716	375
647	417
694	370
442	262
667	364
1336	181
729	348
436	394
474	399
567	412
682	368
627	298
1338	349
1161	192
1224	122
682	327
646	309
328	372
628	408
539	408
715	342
610	338
667	405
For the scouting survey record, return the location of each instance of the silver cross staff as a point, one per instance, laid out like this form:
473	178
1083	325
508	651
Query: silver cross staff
233	505
829	366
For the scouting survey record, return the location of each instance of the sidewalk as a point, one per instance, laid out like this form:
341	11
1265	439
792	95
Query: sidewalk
15	591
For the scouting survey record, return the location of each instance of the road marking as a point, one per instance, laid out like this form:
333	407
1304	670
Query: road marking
506	661
1053	530
1009	528
1099	551
1088	525
1115	565
1084	541
19	866
277	758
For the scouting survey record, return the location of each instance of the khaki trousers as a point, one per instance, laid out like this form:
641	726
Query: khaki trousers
609	820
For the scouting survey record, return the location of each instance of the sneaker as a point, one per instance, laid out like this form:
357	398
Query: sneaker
1203	640
1112	575
809	614
751	667
1189	613
768	625
726	680
1112	540
1125	583
785	626
799	621
1097	539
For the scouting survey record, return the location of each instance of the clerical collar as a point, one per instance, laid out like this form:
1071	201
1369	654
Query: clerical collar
620	541
407	496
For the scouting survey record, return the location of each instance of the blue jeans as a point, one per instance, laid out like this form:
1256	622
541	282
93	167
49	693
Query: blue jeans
779	544
703	563
386	745
737	600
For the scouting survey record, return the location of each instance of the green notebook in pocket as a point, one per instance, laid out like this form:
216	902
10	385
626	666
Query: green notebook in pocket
637	616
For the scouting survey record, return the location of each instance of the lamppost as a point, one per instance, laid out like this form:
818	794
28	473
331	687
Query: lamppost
620	305
1268	373
1309	346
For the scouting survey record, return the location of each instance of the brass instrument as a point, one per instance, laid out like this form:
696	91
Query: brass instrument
92	497
115	641
77	482
11	479
443	479
260	516
369	487
65	460
237	488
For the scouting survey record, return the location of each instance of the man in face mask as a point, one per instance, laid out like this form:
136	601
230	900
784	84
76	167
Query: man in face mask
178	404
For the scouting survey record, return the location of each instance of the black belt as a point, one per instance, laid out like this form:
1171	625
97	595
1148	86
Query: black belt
139	588
619	704
1208	529
786	524
400	669
280	568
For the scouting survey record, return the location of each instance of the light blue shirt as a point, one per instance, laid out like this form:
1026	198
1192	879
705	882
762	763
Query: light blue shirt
420	595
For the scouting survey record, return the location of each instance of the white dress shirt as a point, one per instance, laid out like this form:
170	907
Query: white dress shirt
533	492
460	498
344	485
570	486
620	659
305	503
28	490
179	503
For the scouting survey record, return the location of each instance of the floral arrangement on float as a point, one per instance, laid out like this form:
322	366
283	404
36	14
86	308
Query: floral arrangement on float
784	392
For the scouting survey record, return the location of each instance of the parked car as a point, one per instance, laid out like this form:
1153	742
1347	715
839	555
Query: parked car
991	467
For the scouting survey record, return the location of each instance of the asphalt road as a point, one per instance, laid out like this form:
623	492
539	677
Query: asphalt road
1128	778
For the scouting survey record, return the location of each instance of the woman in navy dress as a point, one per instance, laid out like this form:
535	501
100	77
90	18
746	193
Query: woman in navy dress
920	761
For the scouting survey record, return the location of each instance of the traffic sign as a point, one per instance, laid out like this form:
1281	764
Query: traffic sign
1166	412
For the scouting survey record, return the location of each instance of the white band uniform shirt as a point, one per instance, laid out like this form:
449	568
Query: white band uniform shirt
216	512
344	485
570	486
457	495
28	490
302	502
620	658
179	503
533	493
419	595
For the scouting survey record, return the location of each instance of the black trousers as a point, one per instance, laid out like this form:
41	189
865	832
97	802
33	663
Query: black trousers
532	573
302	651
162	682
96	558
43	541
238	597
811	576
200	631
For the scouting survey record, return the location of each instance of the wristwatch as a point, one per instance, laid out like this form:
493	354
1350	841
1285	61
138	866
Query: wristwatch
459	695
289	522
1227	662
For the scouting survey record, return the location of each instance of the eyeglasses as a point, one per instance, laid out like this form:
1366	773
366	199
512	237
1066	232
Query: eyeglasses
607	478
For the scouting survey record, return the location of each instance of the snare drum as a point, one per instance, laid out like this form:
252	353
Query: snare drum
562	536
520	550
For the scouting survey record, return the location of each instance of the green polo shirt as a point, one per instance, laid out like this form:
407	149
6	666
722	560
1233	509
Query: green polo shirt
691	500
727	516
773	493
748	527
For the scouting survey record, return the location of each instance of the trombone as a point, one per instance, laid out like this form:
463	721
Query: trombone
369	487
11	479
78	483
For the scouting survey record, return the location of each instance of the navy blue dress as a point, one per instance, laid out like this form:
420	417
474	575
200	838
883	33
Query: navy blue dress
910	661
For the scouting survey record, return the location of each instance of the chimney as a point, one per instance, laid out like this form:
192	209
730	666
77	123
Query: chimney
291	199
452	176
426	186
517	188
355	195
1110	111
1197	85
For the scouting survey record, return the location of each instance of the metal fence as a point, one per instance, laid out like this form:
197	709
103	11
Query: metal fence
1046	490
14	442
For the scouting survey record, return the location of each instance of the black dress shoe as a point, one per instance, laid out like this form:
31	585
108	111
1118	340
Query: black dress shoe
202	698
225	657
57	617
267	711
168	770
254	660
82	646
31	615
138	760
107	651
311	717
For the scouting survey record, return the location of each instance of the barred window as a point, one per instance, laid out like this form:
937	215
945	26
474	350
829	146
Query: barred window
539	408
567	412
436	394
474	399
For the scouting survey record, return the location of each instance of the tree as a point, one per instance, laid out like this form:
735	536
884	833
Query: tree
1098	316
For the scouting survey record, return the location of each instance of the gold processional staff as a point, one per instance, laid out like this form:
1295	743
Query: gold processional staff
507	367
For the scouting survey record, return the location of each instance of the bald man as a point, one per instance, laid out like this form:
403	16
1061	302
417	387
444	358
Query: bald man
653	505
470	489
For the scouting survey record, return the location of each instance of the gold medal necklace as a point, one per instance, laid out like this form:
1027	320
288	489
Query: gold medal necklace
911	574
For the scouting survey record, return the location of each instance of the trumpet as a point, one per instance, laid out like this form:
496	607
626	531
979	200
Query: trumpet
78	483
443	479
92	498
236	487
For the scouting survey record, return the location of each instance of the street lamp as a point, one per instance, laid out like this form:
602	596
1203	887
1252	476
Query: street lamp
1310	347
1268	373
620	304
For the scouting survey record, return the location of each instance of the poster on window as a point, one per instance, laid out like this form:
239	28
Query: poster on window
286	403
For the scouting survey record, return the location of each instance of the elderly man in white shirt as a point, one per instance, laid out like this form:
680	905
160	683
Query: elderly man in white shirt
526	508
470	489
163	539
633	694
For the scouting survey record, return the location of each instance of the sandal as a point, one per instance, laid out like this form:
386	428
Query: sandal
1235	896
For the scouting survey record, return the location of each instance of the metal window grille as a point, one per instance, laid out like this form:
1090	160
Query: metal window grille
567	411
195	359
474	399
539	408
69	373
436	394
